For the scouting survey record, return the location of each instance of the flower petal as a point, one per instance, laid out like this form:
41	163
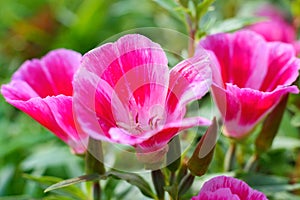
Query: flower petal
52	75
248	48
61	108
219	44
236	187
93	103
283	66
237	56
132	56
296	45
62	65
18	90
55	113
220	194
240	103
281	30
189	80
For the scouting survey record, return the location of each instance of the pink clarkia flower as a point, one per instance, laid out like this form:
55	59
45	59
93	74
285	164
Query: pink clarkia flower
43	89
275	27
124	93
249	78
228	188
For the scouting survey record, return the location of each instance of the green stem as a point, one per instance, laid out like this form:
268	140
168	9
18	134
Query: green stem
94	164
192	27
172	178
97	190
252	163
230	157
185	184
158	180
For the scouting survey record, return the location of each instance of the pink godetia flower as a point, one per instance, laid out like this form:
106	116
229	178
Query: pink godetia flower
275	27
43	89
249	78
228	188
124	93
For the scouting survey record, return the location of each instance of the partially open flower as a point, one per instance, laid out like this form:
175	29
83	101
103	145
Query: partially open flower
249	78
43	89
228	188
125	93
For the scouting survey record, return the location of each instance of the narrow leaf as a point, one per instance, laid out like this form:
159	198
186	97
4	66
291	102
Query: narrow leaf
233	24
72	181
203	7
133	179
46	181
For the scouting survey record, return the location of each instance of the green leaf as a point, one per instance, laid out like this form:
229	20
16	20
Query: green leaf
23	197
203	7
278	188
56	197
172	7
72	181
46	181
131	178
43	157
260	180
270	127
282	142
169	5
232	24
296	120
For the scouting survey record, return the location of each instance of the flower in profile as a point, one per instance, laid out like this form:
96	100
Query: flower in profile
228	188
43	89
124	93
249	78
275	27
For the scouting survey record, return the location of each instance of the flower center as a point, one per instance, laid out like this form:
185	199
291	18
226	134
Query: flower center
144	121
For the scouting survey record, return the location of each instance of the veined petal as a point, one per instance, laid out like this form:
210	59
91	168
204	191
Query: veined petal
55	113
237	56
18	90
240	103
96	107
61	65
130	63
61	108
283	66
219	194
189	80
219	46
228	188
36	77
249	59
52	74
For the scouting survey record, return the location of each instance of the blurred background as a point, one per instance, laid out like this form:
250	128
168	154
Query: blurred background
29	29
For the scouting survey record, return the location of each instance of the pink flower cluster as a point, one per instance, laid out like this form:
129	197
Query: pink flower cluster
124	92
